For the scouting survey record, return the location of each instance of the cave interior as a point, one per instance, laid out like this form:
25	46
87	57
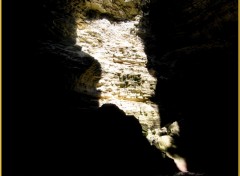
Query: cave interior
49	129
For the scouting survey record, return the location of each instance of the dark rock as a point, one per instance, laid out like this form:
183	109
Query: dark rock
48	128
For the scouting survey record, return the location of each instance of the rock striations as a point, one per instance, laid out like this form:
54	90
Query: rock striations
125	80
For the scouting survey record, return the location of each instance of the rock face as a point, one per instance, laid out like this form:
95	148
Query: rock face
125	80
192	46
108	32
115	9
150	58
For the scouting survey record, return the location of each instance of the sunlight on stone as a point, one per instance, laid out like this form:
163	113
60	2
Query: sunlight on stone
125	80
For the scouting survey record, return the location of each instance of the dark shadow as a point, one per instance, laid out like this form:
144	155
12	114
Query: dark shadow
48	127
41	64
192	47
51	129
112	144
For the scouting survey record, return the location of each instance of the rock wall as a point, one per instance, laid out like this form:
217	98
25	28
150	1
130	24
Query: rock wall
186	50
192	47
125	80
114	9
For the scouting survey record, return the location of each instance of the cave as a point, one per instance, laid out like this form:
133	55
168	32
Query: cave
83	81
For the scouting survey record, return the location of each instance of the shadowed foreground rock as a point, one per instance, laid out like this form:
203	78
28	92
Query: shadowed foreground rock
100	142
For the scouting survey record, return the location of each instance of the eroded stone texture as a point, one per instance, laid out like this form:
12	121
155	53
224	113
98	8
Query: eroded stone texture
192	52
125	80
107	30
114	9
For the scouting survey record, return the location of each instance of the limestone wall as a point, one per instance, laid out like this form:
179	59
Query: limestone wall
125	80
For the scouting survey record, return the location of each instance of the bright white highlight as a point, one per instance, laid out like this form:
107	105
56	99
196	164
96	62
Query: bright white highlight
125	80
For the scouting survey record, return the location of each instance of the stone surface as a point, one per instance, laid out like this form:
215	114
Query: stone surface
114	9
125	80
191	49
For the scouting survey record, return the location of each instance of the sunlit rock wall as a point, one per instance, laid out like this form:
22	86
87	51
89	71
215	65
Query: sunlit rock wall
125	80
114	9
